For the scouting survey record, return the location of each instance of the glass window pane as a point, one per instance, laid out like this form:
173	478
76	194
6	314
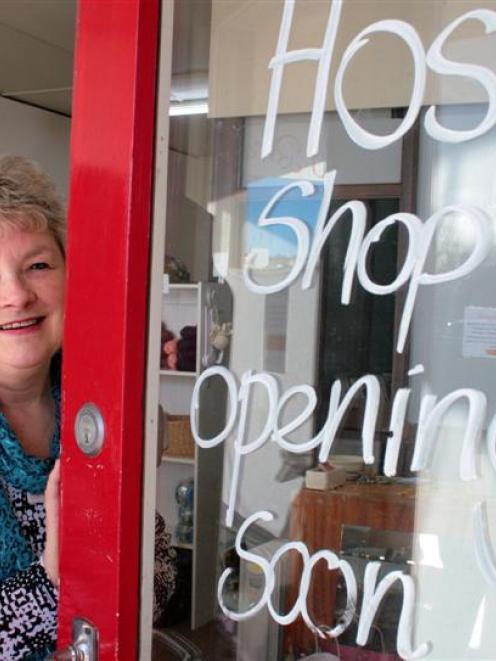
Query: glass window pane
330	238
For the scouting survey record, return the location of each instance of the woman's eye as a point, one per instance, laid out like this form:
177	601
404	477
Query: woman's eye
39	266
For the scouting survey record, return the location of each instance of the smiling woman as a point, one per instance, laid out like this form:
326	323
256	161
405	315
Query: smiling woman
31	297
32	273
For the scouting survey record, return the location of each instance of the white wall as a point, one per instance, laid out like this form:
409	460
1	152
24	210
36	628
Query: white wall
38	134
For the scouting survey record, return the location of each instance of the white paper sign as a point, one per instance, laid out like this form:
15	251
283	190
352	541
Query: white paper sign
479	332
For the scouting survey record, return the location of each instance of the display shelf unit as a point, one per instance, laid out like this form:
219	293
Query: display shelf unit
190	305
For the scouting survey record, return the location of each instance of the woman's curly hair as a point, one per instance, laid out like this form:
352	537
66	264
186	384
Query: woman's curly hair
28	199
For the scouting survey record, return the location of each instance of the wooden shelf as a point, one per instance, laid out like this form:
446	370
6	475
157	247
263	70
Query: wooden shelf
178	460
184	285
178	545
177	373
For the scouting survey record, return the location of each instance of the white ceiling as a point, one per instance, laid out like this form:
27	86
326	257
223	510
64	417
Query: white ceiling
36	51
37	43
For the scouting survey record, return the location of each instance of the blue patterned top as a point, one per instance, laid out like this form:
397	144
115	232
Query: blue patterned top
28	600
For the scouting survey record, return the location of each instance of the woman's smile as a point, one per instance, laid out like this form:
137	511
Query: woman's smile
22	325
32	274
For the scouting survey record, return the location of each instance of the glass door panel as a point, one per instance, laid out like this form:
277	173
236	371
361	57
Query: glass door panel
326	340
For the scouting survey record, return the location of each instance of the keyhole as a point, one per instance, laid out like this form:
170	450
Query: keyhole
89	429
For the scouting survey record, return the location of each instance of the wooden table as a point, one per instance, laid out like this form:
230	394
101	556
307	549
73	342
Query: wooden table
317	518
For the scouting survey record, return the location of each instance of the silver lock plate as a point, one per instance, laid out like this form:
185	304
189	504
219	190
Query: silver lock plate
89	429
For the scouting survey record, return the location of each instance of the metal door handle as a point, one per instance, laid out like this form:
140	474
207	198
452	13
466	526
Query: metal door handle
70	653
84	646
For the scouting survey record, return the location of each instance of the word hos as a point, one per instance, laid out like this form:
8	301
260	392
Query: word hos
434	59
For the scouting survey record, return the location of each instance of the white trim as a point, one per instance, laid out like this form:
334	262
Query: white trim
155	312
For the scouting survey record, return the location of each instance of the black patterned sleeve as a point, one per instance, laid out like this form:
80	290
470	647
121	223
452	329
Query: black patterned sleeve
165	571
28	614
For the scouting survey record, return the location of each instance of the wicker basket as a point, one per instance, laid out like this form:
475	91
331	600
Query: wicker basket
178	440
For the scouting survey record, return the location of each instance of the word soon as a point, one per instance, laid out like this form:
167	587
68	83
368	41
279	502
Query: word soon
431	413
434	59
373	593
420	238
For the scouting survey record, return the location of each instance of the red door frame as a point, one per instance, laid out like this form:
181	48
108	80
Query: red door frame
106	311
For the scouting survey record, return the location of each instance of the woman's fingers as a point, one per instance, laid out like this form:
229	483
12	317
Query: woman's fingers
51	554
52	488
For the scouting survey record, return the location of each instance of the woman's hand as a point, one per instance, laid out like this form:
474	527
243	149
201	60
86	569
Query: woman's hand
52	502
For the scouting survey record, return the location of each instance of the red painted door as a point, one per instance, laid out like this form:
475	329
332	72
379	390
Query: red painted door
104	348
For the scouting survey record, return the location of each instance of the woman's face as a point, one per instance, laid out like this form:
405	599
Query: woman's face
32	274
